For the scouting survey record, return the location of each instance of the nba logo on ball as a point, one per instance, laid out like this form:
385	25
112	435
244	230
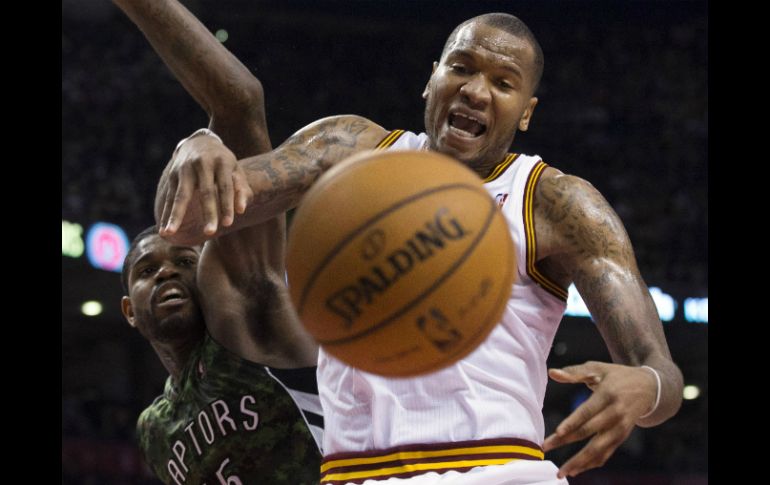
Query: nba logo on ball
399	262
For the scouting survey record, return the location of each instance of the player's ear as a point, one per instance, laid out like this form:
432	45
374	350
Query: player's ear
128	310
527	116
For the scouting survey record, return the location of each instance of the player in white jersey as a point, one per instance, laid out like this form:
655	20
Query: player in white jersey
479	420
497	391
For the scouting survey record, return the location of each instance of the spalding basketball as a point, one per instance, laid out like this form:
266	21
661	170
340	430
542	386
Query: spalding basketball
400	262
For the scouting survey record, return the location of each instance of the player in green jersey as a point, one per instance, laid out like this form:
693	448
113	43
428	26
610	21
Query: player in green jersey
218	315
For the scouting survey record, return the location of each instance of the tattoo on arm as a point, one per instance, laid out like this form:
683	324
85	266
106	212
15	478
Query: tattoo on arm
293	167
589	239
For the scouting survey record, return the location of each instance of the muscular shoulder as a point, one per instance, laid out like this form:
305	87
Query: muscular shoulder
349	131
572	217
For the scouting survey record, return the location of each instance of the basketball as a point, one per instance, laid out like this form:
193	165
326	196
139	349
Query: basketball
400	262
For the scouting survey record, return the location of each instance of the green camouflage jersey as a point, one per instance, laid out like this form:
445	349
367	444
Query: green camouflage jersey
230	422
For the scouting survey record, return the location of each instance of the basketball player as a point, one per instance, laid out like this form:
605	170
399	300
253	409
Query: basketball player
479	420
219	316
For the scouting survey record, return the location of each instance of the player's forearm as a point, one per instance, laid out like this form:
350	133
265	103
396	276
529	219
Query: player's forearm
280	178
220	83
277	179
628	321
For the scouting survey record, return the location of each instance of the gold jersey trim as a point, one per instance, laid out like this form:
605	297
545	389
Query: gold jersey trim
416	459
529	232
389	140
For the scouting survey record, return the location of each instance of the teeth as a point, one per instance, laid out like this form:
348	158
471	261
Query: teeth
466	123
469	118
170	295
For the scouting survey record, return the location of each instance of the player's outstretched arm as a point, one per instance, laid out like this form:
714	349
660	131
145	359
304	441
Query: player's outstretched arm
588	241
231	95
278	179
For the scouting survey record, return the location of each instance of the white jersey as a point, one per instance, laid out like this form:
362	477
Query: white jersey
488	403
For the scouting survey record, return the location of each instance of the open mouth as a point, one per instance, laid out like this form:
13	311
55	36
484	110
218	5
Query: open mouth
170	293
467	125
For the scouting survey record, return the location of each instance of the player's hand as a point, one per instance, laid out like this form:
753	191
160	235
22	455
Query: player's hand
202	168
621	395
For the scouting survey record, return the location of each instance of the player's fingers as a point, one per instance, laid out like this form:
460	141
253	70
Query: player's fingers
595	453
589	373
168	202
243	193
181	199
224	185
566	430
208	199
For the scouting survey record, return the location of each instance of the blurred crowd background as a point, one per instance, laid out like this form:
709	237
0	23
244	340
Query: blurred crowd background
623	104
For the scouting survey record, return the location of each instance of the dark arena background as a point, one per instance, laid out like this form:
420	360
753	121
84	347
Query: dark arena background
623	104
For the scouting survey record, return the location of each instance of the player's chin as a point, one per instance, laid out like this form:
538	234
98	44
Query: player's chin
470	158
174	330
180	321
464	153
468	150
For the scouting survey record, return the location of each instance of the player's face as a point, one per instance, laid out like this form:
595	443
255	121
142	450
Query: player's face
479	94
162	303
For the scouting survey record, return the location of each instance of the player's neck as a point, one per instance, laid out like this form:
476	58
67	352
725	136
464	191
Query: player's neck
174	357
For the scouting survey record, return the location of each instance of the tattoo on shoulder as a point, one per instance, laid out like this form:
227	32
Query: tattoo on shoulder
353	128
343	133
307	153
580	218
